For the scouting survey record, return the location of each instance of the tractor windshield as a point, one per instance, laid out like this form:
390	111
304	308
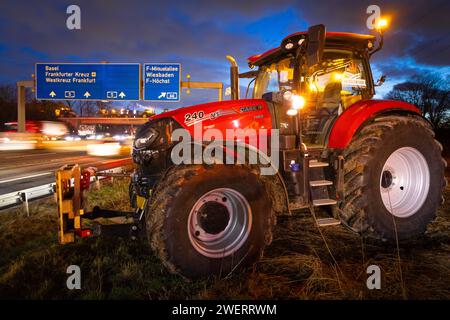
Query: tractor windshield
275	77
340	70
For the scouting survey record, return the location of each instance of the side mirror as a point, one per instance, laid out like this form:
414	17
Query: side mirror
380	81
316	44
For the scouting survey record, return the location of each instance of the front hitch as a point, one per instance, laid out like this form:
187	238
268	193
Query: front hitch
71	182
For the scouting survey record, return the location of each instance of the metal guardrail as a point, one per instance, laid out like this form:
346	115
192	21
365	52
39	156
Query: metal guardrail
23	197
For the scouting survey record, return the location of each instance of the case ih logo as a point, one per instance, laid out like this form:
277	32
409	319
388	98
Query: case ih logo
251	108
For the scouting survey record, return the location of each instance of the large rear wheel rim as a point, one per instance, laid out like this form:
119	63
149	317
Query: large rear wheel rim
219	223
404	182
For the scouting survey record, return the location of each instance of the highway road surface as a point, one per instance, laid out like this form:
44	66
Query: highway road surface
30	168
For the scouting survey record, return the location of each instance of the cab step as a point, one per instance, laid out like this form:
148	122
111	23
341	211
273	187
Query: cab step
317	164
320	183
327	222
324	202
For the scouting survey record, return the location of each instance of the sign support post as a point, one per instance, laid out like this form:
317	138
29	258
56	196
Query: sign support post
21	97
204	85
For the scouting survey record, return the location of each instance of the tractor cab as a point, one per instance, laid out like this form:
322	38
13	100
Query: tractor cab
325	75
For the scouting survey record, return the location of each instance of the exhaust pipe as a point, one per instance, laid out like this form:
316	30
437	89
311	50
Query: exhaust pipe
234	78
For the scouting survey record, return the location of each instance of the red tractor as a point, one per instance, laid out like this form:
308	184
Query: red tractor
373	165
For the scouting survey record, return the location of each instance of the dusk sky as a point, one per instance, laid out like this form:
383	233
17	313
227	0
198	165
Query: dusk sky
199	34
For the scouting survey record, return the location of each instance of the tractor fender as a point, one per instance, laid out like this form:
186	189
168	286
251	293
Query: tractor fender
273	182
351	120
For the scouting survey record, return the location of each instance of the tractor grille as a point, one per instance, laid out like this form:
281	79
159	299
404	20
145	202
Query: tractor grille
152	140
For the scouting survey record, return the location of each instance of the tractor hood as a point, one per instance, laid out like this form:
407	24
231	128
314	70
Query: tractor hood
222	115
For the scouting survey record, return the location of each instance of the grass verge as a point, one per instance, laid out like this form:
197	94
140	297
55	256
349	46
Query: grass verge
296	266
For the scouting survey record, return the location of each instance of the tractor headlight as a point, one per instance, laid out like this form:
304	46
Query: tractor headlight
297	102
146	138
292	112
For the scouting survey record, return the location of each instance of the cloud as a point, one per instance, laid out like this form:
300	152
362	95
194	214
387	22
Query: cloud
418	29
200	33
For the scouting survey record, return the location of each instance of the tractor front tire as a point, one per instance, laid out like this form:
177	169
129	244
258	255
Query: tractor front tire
209	220
393	178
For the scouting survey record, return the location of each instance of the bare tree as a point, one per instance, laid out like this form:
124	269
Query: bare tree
8	93
83	107
429	92
8	103
70	103
88	108
102	105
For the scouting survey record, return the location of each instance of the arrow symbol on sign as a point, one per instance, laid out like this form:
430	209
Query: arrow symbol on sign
52	94
121	94
87	94
162	95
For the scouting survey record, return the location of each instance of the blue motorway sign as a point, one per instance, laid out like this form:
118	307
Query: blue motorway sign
162	82
88	81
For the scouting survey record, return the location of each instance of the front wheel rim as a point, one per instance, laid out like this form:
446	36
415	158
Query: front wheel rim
404	182
219	223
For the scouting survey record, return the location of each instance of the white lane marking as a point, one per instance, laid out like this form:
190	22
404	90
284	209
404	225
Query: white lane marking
26	177
51	162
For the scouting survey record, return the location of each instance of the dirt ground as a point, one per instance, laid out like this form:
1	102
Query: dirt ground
296	266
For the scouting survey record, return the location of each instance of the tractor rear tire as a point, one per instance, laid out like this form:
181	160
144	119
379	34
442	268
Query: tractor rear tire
209	220
393	178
